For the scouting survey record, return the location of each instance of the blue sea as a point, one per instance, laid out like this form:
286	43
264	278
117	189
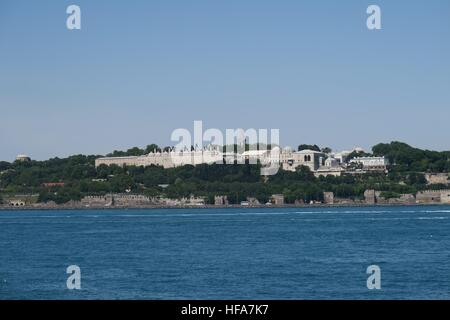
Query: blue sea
261	253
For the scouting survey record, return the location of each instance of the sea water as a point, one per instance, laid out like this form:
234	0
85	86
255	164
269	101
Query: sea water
260	253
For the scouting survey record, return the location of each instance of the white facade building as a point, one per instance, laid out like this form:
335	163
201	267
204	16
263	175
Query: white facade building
308	158
23	158
288	160
169	159
371	163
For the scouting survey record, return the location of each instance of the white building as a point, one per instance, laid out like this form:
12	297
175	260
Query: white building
23	158
371	163
289	160
331	163
309	158
169	159
343	155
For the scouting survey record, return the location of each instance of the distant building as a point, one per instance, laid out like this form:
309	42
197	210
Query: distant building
20	200
169	159
445	196
53	184
23	158
16	203
308	158
331	163
331	167
437	178
342	156
253	201
370	197
428	196
287	159
220	200
324	171
372	163
278	199
433	196
328	197
255	155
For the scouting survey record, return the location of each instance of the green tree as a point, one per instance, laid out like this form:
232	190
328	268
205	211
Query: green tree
135	152
358	154
416	178
407	158
152	148
313	147
4	166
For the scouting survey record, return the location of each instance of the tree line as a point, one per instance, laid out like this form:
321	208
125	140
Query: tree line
237	182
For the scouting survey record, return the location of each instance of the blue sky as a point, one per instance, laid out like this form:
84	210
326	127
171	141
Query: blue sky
137	70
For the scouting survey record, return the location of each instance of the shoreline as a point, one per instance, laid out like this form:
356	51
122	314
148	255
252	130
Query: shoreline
149	207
